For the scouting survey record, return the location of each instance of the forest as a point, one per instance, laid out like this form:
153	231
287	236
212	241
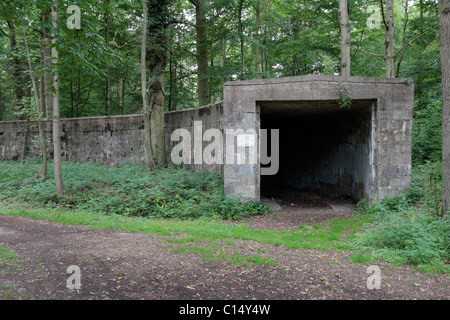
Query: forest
191	48
207	43
90	58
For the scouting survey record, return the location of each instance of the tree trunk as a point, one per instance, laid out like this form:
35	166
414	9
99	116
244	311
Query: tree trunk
1	103
389	39
345	38
157	124
48	78
171	83
148	153
26	138
120	93
405	24
124	83
38	108
241	37
41	78
17	68
56	115
156	62
258	24
108	97
202	53
444	22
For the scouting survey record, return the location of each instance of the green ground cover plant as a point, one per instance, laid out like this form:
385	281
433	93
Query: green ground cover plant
129	190
409	229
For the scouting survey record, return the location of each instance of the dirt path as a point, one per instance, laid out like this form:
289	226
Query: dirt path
122	265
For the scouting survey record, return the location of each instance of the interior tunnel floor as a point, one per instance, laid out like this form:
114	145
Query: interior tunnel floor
292	208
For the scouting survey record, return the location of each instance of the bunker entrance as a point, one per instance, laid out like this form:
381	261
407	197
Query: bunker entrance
323	148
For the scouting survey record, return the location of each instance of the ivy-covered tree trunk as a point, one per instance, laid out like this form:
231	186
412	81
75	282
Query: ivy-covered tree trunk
444	22
156	56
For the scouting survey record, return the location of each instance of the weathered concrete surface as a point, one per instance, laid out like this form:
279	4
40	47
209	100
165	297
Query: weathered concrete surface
389	141
107	140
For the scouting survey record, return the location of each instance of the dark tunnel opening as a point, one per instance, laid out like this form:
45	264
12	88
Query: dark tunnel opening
324	149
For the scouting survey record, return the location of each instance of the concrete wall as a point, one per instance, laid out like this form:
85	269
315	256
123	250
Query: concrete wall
107	140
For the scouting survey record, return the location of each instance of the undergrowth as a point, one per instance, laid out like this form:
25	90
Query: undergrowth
129	190
410	228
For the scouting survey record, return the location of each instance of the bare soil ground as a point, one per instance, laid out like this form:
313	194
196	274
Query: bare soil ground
295	208
122	265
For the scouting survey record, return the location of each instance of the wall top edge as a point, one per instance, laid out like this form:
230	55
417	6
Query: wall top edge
124	116
311	78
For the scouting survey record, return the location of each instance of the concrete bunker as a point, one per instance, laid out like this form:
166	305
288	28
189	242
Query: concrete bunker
361	152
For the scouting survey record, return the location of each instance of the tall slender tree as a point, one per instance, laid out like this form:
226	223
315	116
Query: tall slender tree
345	38
148	153
37	101
1	103
241	36
444	22
56	105
47	64
17	67
202	51
108	93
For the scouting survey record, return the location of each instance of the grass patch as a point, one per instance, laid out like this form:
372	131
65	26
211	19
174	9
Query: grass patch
9	258
361	258
254	259
321	236
212	252
6	255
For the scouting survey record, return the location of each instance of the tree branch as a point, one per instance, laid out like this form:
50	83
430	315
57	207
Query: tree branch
419	36
382	13
194	2
124	45
371	53
1	31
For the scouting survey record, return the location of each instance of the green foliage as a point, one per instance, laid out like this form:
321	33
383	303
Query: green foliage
409	228
130	190
427	132
281	38
420	237
345	99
